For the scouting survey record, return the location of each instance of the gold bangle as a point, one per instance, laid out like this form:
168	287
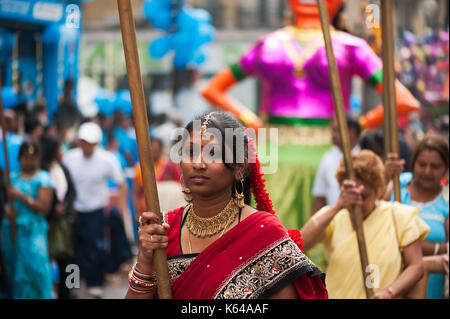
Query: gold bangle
141	283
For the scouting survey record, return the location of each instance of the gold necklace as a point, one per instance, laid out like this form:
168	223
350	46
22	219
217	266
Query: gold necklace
189	240
207	227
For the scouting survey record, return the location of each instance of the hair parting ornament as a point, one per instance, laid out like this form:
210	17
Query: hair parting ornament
205	124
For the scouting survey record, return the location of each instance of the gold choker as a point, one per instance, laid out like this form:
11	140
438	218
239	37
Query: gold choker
206	227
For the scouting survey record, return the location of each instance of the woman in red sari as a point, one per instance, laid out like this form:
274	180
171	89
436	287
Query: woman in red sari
218	246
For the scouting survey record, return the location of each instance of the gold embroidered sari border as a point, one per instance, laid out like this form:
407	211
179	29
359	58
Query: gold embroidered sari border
178	264
267	268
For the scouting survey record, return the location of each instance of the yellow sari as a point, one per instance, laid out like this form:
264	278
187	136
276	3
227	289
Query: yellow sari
344	278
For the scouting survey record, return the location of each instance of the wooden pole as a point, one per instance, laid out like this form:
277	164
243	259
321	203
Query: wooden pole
343	131
7	172
127	26
390	125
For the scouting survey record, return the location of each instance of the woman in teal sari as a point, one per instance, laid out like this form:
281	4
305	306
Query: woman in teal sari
27	258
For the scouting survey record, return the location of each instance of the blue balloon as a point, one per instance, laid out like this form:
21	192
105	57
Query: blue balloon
199	57
180	41
201	15
159	47
150	9
186	21
159	13
123	102
10	99
105	101
182	59
355	103
162	21
207	33
193	30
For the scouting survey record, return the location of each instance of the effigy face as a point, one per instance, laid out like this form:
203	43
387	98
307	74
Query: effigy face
309	7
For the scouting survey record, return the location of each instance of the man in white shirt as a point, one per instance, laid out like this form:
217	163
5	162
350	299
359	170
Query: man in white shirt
90	167
326	189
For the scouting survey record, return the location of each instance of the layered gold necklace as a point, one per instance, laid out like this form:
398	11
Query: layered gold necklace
206	227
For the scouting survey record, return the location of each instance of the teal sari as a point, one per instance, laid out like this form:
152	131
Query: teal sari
27	260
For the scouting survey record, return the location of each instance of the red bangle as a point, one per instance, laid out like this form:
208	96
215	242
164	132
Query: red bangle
142	275
391	292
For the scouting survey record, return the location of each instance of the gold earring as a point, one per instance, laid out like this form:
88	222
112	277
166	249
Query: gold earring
239	197
186	193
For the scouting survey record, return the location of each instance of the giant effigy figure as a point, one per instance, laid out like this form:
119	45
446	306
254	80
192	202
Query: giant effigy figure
296	97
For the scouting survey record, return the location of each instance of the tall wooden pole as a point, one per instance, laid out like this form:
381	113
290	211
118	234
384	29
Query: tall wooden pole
390	125
127	26
343	131
12	218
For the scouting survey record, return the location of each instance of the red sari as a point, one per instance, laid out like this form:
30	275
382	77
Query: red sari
254	259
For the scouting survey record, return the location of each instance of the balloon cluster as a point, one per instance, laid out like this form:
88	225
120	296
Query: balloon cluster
424	65
93	99
186	31
108	102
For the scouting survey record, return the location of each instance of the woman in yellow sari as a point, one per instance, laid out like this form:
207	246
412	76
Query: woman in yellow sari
393	234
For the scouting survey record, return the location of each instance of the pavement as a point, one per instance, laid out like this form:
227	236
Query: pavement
115	287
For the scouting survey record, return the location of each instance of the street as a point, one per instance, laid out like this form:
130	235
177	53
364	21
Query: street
115	287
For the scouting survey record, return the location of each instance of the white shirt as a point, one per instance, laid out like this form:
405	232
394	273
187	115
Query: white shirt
59	180
90	177
325	183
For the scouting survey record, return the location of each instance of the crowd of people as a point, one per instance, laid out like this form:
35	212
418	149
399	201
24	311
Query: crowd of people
77	190
78	196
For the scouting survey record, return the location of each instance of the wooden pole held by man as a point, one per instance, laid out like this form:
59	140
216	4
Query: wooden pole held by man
391	144
343	131
12	217
127	26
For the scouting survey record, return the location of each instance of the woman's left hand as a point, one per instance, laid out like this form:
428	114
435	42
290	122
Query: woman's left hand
382	294
9	213
13	192
393	165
